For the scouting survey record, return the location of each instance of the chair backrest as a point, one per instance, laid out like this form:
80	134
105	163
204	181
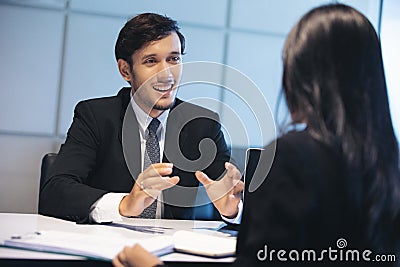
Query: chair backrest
47	161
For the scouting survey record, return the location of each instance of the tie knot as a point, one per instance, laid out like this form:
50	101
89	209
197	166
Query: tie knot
153	126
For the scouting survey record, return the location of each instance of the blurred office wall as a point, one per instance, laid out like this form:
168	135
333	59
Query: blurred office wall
54	53
390	38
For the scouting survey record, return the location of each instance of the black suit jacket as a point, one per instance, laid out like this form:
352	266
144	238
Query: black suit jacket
307	201
92	162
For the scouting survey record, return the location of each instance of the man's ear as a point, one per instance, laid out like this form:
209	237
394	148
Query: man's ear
125	70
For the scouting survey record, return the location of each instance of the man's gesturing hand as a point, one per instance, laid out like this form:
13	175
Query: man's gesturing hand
147	188
225	193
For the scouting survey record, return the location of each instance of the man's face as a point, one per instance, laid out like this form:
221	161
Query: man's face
156	72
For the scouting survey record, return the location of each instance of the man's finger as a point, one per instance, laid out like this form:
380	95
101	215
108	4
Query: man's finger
158	183
170	182
232	171
162	165
238	188
203	178
158	169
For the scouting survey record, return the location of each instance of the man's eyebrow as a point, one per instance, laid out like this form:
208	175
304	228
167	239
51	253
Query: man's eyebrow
149	55
155	55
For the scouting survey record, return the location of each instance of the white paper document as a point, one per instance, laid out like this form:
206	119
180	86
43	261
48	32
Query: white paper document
88	245
106	247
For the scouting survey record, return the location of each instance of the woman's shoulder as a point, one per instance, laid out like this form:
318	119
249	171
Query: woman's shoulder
302	147
298	140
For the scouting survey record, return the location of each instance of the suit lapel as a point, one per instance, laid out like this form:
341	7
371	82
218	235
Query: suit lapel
175	135
179	198
129	134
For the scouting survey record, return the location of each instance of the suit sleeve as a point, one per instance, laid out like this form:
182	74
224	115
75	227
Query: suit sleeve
66	194
217	169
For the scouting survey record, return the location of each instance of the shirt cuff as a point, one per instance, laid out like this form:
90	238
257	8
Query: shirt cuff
238	218
106	208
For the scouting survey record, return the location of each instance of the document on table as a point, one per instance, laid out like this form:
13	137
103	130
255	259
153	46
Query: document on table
106	247
87	245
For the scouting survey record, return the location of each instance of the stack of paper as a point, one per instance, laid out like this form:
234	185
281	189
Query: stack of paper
88	245
105	247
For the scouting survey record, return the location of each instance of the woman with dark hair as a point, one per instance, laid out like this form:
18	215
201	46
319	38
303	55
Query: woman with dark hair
338	180
332	195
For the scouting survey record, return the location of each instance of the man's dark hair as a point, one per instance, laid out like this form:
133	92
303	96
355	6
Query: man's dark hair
142	29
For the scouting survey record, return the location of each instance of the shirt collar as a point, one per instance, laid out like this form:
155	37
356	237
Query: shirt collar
144	119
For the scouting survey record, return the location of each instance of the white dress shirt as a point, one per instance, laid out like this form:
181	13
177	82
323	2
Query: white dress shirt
106	208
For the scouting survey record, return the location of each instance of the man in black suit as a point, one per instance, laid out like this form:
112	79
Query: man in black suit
100	172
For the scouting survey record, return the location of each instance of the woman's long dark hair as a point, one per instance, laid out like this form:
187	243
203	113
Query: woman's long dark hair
334	81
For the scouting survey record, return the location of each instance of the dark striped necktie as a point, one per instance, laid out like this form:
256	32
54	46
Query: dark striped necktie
151	155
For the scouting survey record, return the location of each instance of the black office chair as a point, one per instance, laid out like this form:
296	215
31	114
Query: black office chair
47	161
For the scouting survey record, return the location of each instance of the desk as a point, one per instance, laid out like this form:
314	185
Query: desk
11	223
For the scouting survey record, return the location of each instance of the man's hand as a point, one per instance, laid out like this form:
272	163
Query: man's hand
225	193
147	188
